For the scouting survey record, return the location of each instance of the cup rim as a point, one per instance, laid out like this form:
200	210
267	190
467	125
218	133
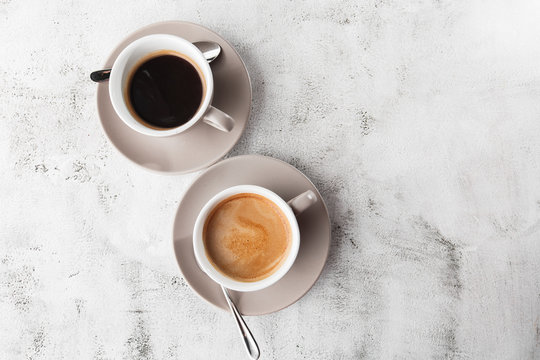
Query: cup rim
200	253
119	69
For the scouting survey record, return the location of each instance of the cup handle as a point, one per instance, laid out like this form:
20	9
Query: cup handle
218	119
303	201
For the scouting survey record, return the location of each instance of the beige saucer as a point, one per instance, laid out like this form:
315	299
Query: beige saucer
201	145
287	182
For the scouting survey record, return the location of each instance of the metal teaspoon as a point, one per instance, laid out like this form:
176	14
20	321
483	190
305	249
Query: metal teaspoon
209	49
251	345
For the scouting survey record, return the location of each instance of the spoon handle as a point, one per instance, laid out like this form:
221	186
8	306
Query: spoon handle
209	49
251	345
100	75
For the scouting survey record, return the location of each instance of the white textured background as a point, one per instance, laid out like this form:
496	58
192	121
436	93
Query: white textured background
419	122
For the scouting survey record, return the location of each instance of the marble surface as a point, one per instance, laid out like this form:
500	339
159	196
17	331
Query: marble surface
418	121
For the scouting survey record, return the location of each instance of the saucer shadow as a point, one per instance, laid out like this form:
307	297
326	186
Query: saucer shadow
258	88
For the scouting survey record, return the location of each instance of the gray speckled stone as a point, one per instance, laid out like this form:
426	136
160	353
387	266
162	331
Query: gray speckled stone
418	121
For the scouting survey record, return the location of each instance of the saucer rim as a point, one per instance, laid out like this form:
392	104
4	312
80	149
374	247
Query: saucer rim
240	157
164	172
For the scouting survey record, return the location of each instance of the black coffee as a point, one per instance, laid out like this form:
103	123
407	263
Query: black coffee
165	91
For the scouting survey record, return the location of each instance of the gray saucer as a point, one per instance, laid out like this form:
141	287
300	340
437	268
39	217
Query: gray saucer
284	180
201	145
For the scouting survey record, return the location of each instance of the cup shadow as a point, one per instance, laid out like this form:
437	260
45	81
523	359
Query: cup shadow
326	185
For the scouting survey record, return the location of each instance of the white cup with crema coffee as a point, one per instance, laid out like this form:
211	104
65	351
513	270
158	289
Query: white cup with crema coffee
161	85
246	237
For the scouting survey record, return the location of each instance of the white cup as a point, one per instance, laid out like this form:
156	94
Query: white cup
130	56
291	209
